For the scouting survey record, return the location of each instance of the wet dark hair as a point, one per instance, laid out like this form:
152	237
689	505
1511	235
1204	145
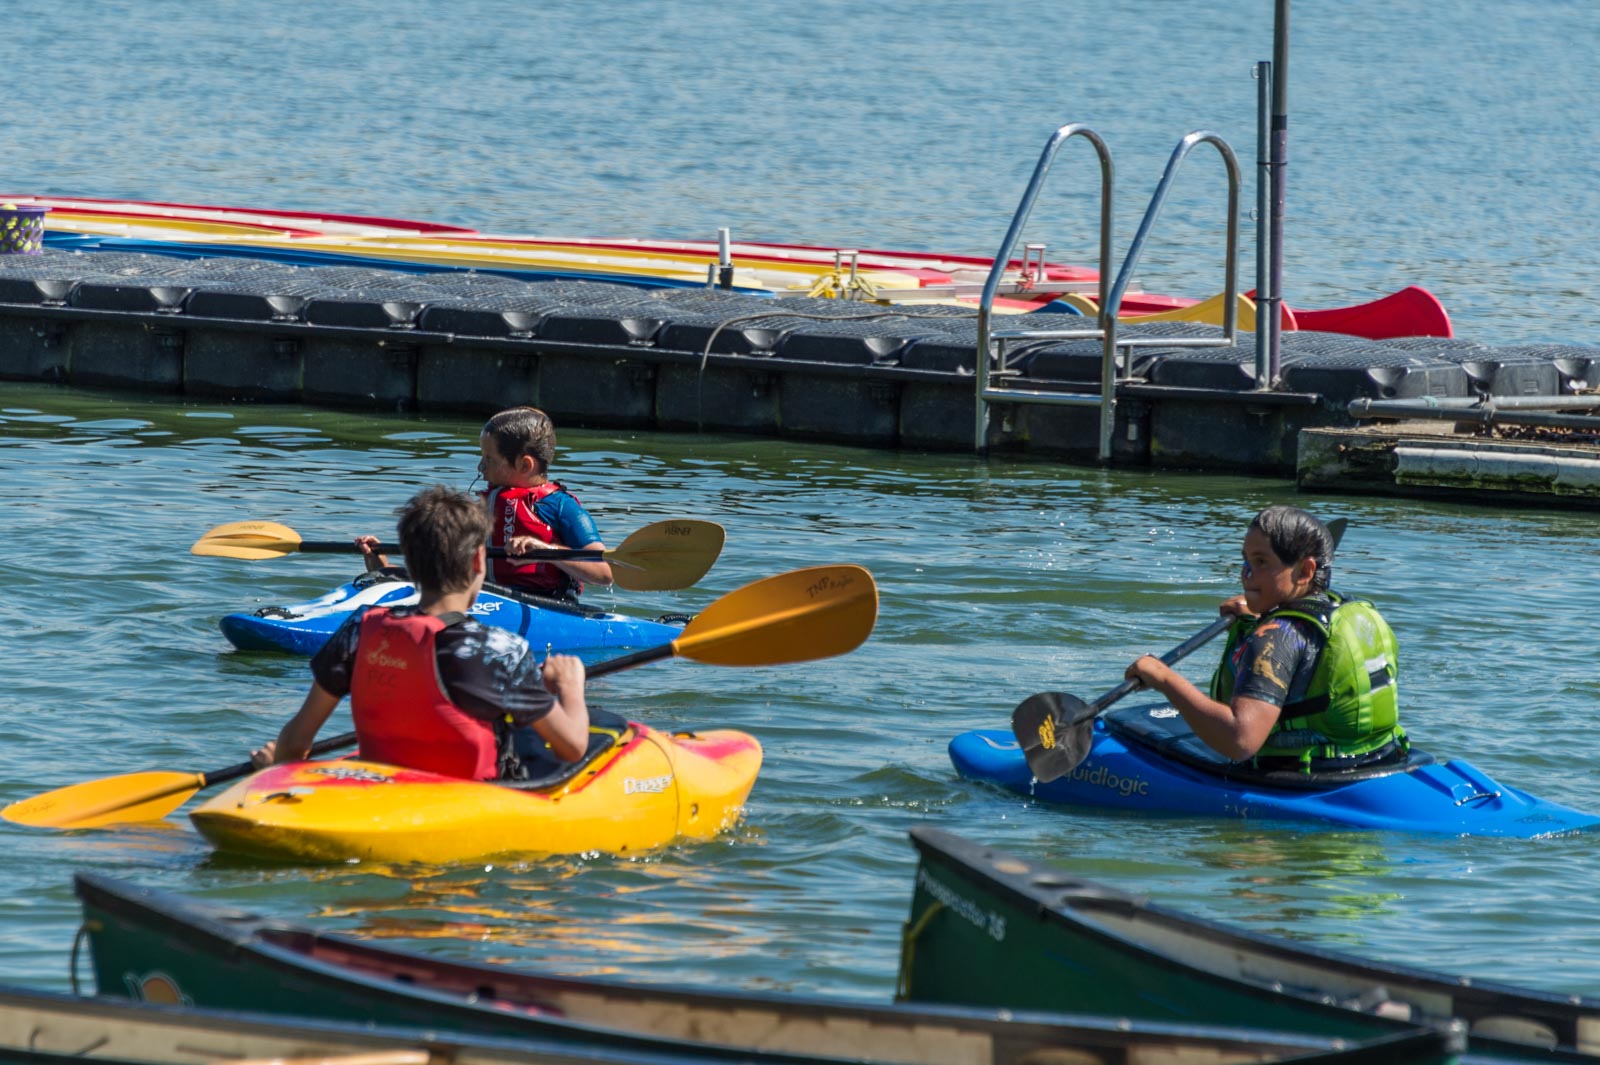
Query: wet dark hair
523	431
441	529
1296	535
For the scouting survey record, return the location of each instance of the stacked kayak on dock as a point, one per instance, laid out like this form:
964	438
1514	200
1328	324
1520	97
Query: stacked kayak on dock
1146	759
987	928
890	277
302	628
148	943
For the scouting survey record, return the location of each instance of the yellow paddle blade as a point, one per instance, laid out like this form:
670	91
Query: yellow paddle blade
248	539
1082	304
1210	311
107	801
793	617
666	555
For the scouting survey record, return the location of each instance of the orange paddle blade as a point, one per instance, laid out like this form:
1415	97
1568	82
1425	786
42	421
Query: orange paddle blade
107	801
666	555
794	617
249	540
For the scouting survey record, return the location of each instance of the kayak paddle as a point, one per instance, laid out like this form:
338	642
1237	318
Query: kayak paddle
797	616
131	796
1056	728
794	617
662	556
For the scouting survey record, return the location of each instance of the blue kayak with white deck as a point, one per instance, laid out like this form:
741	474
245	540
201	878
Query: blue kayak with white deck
302	628
1147	759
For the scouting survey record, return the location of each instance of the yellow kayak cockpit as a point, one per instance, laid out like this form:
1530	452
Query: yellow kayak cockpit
641	790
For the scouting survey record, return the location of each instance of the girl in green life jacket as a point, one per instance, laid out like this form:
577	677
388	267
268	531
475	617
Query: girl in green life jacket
1307	675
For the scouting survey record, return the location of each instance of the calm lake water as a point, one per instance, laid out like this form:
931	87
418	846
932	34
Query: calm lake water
1449	146
997	580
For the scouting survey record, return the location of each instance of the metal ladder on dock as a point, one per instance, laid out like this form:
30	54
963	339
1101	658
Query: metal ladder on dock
993	371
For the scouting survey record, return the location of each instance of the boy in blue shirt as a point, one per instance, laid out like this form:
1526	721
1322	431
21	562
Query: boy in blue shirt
527	510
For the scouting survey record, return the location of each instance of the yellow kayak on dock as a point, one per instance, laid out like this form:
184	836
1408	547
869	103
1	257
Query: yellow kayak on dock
638	790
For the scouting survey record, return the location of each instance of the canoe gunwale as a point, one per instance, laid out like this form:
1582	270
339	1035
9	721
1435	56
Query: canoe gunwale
105	1029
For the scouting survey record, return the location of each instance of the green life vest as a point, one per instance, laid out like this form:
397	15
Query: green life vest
1351	706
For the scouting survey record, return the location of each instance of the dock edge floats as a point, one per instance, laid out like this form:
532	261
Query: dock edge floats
603	355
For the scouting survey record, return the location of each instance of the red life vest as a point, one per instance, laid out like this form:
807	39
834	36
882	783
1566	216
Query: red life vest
402	714
512	513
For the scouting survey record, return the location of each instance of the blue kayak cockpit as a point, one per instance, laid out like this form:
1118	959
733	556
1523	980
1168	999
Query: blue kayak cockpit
1162	729
547	624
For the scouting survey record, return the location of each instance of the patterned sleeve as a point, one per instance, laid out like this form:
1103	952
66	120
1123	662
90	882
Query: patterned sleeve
332	665
572	524
1273	654
489	673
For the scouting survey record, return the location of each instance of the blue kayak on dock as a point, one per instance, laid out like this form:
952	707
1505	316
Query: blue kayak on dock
1146	758
302	628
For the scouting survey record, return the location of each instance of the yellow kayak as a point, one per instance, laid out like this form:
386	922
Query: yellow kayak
643	790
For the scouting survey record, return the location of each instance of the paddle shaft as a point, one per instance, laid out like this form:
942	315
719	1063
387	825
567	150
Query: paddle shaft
1177	654
628	661
347	547
244	769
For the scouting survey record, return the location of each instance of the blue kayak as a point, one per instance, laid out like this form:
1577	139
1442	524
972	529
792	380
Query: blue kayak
302	628
1146	758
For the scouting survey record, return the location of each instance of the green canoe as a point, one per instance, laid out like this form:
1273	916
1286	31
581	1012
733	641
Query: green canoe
989	929
219	957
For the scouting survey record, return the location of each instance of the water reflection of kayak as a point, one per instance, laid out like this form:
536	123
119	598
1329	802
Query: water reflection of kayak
1146	758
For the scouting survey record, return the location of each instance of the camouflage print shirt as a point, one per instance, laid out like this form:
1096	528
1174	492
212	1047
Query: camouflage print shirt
1275	662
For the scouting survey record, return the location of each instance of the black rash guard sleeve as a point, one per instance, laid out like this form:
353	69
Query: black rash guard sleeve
334	662
1277	663
492	673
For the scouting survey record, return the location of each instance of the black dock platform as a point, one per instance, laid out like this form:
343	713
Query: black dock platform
612	355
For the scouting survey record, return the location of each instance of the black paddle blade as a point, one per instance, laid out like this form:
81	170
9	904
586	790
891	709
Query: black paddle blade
1054	730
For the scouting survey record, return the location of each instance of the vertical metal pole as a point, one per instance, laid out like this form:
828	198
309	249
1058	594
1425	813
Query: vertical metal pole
1263	212
1280	164
724	259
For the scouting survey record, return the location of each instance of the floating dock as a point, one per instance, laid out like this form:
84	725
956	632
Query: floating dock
611	355
1427	459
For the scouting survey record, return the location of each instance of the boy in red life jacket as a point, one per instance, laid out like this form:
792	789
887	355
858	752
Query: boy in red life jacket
528	511
430	687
